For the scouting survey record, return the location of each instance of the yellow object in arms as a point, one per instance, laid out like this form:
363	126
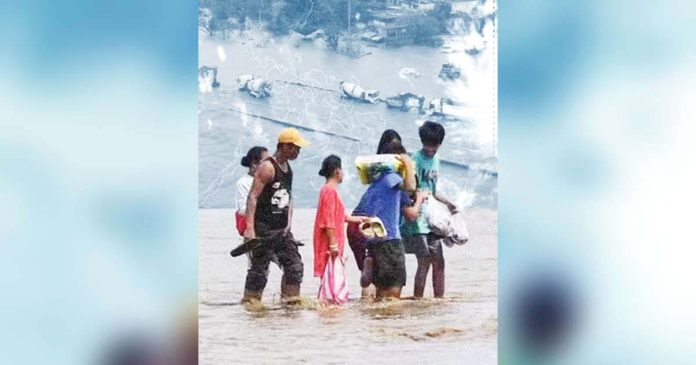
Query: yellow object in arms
371	167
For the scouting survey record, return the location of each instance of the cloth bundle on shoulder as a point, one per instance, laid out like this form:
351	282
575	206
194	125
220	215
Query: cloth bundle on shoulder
370	168
333	287
445	224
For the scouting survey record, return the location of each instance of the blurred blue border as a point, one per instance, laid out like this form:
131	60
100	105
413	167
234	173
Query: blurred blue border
98	153
594	110
98	184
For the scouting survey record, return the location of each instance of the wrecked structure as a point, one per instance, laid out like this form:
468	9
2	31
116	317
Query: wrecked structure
207	78
255	86
438	106
354	91
450	71
406	102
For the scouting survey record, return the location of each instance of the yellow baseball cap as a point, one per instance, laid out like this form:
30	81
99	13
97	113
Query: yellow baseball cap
292	135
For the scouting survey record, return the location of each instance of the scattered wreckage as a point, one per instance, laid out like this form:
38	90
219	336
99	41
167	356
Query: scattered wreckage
450	71
354	91
372	37
255	86
408	71
207	78
439	106
406	102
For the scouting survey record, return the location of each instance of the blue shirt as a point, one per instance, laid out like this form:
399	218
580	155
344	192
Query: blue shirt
384	199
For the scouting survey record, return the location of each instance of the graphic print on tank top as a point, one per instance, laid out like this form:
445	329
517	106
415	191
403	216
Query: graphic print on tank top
281	198
274	201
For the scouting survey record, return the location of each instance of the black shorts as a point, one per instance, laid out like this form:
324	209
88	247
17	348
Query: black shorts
389	268
423	245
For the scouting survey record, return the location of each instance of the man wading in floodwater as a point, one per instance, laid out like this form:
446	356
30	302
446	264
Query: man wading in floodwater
270	204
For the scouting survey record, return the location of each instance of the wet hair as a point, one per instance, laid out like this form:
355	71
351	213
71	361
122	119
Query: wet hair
431	133
388	136
329	166
394	147
253	156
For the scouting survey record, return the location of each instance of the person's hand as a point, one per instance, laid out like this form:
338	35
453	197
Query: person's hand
358	219
249	233
452	208
422	195
333	249
404	159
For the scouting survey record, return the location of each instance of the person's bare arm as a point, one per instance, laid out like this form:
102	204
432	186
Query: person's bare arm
356	219
409	183
264	175
289	226
411	213
443	200
333	244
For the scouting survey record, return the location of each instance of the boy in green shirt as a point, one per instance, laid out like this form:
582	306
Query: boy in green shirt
418	239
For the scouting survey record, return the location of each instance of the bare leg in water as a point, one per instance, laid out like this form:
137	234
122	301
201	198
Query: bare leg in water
366	275
421	276
368	293
366	278
438	276
392	292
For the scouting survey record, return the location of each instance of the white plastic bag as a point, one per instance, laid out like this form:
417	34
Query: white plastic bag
333	287
438	216
445	224
459	231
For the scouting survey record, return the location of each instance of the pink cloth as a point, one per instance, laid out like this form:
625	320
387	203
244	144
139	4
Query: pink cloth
333	287
330	214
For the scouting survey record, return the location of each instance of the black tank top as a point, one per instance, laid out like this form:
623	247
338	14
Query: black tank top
273	204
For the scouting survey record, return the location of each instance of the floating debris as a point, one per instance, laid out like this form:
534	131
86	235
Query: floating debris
370	36
450	71
408	71
207	78
317	34
406	102
437	106
354	91
257	87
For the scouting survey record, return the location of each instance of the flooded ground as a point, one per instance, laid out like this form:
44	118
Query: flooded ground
306	79
460	329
